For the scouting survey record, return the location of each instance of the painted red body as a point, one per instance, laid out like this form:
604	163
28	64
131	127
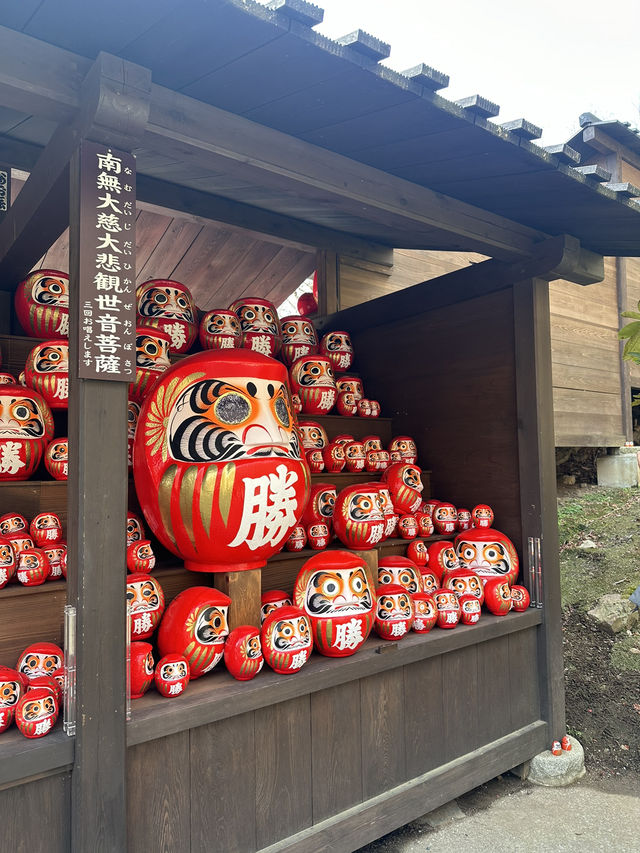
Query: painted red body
444	518
56	458
520	598
417	552
425	614
259	324
33	567
337	347
46	529
333	457
482	516
346	404
195	625
42	304
470	609
171	676
407	527
217	460
243	652
358	517
333	589
145	601
36	712
497	596
168	306
299	338
40	659
448	608
354	456
26	428
394	612
140	556
405	486
315	460
488	552
47	372
286	640
152	360
140	668
313	381
220	329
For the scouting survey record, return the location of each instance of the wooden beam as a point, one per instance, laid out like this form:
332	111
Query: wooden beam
115	104
217	141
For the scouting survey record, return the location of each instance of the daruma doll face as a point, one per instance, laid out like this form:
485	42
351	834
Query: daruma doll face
217	460
488	553
26	427
42	304
220	330
169	306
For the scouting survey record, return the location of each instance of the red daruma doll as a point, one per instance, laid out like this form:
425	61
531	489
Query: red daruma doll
272	600
46	529
47	372
334	591
40	659
298	338
425	613
145	600
358	519
42	304
488	553
169	306
217	461
448	608
243	652
405	486
171	676
37	712
11	689
195	625
312	380
56	458
26	427
337	346
220	330
8	562
286	640
400	571
260	325
394	612
152	359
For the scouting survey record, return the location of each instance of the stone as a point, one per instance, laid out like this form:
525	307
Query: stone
588	543
618	470
614	613
557	771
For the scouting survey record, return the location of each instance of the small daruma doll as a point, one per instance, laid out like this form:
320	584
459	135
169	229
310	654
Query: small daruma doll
11	689
13	522
140	557
488	553
470	609
337	346
152	359
56	458
321	505
394	612
26	427
358	519
346	404
140	668
352	384
444	518
463	582
448	608
405	486
313	435
407	527
335	593
220	329
135	528
318	536
42	304
133	413
286	640
297	539
400	571
259	324
272	600
463	521
497	596
145	604
171	676
37	712
425	524
47	372
40	659
33	567
482	516
312	380
46	529
56	557
315	460
8	562
406	447
333	457
168	305
217	461
417	552
243	652
425	613
298	338
196	625
354	456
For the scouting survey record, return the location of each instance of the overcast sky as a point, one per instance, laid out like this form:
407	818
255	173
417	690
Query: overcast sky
546	61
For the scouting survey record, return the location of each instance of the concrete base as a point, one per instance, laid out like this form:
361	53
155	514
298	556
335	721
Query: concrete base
556	771
618	471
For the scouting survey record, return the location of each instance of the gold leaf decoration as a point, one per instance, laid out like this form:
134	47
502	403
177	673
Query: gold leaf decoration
227	480
187	494
164	499
206	495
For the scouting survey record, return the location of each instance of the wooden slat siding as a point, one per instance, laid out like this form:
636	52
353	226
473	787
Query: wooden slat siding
35	816
493	689
425	743
633	298
29	615
336	750
374	818
240	275
283	763
629	172
219	696
202	255
469	347
29	497
298	272
222	761
383	746
523	683
538	482
159	795
167	254
460	702
357	427
150	229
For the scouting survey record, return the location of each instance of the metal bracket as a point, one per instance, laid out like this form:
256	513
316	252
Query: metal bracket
69	721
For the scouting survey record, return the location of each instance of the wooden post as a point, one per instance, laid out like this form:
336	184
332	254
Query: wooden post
243	588
538	499
328	282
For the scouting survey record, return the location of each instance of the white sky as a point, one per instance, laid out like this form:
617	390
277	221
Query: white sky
543	60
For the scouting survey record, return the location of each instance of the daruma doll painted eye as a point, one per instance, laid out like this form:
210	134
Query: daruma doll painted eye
338	348
425	613
152	359
37	712
405	486
313	381
26	427
168	305
333	589
145	601
394	612
171	676
272	600
217	461
313	435
400	571
56	458
11	689
358	517
42	304
40	659
8	562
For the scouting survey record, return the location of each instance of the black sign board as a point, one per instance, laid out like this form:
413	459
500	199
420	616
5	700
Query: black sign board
107	339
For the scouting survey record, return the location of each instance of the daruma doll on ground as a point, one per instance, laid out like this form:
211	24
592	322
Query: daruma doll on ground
217	461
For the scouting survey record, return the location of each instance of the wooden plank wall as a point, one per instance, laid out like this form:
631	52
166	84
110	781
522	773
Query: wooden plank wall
633	298
586	362
584	323
246	782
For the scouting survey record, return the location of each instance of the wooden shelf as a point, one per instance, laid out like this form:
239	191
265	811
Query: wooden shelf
218	696
21	757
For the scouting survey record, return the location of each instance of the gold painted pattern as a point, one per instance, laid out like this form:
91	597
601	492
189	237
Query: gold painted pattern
187	490
159	410
206	495
225	495
164	500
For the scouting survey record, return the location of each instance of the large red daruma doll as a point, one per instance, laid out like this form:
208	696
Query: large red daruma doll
26	427
217	461
42	304
334	591
488	553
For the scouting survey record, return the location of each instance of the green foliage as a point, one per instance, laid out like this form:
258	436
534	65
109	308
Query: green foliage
630	334
622	656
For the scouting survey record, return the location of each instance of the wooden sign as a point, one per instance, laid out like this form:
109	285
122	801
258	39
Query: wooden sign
107	340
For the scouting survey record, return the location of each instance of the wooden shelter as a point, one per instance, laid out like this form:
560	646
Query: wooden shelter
240	116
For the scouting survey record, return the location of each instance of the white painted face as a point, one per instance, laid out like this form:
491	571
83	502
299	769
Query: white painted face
167	302
225	419
38	709
270	606
313	371
143	596
152	352
20	417
313	435
394	606
52	291
484	558
257	317
9	693
224	323
293	634
337	342
364	506
338	592
405	576
174	671
34	664
298	331
51	358
212	625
